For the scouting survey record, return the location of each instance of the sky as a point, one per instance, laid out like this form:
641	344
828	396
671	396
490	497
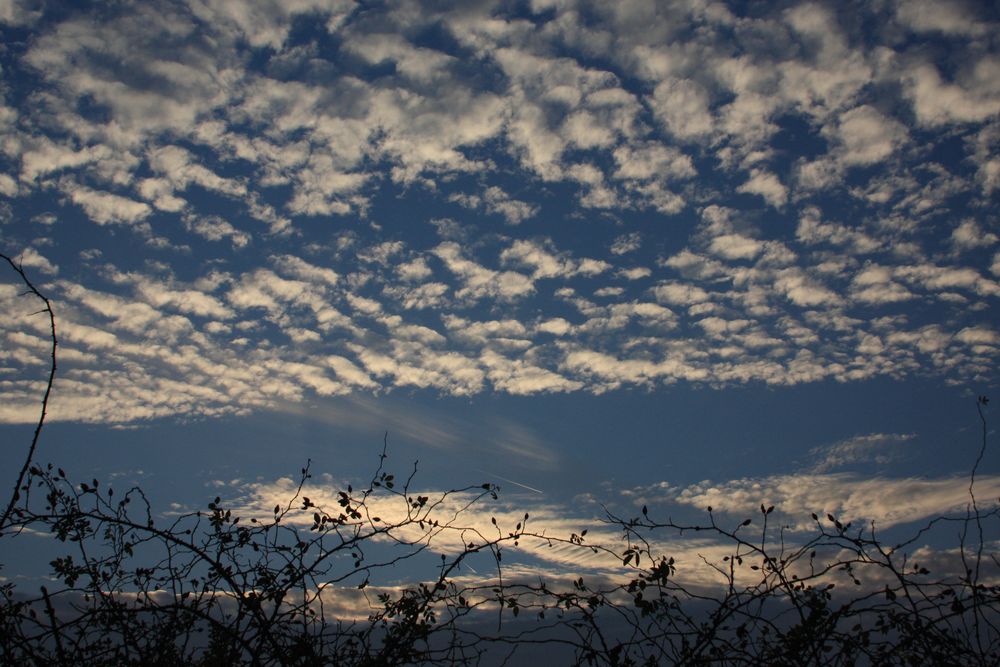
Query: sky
601	254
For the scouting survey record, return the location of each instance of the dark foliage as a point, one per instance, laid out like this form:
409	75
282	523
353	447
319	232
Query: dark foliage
214	587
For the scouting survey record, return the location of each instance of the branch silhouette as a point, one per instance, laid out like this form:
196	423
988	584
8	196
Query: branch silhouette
309	581
47	310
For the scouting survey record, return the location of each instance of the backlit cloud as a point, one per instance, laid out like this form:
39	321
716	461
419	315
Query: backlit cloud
575	198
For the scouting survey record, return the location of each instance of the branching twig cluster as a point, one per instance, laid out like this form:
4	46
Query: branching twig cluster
221	586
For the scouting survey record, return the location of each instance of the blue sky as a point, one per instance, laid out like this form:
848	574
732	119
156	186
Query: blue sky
676	253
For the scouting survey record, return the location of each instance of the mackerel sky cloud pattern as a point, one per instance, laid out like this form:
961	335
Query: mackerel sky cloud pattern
236	205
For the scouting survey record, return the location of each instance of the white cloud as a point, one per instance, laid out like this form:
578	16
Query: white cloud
381	253
978	336
349	372
495	200
735	246
938	278
421	64
680	294
178	166
105	208
682	106
415	270
43	156
215	228
265	23
480	282
866	136
299	268
8	186
938	102
531	254
189	301
584	130
652	161
635	273
32	259
556	326
519	377
812	229
626	243
873	447
508	333
950	17
18	13
768	186
265	289
969	235
849	497
152	118
875	284
803	290
426	295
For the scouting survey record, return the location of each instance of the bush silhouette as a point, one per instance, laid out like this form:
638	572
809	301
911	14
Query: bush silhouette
303	583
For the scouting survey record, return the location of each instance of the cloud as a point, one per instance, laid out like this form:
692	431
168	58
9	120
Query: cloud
875	284
265	23
680	294
937	278
18	13
215	228
495	200
534	255
105	208
812	230
804	290
969	235
42	156
938	102
278	163
874	447
519	377
682	106
480	282
29	258
849	497
626	243
865	136
735	246
414	270
949	17
422	64
767	186
652	162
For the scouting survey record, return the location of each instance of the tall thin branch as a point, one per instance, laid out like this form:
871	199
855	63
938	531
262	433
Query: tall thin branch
16	493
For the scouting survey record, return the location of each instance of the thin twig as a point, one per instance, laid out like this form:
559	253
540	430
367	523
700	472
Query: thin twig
16	492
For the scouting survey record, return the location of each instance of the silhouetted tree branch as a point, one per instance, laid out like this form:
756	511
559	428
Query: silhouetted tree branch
47	310
305	582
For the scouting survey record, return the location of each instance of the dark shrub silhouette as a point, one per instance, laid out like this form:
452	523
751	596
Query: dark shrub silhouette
215	587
